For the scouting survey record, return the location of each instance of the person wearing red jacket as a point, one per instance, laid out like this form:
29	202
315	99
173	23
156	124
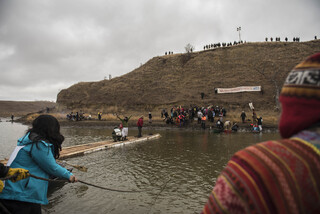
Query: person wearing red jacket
140	124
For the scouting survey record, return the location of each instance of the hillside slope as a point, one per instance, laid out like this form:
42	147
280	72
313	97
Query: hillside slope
19	108
180	78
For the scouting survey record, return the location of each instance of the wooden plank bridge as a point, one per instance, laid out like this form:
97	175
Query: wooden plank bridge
78	150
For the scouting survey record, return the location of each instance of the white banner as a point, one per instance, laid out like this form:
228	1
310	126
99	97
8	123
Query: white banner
238	89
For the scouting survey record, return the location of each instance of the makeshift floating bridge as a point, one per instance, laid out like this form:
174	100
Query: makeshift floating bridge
83	149
79	150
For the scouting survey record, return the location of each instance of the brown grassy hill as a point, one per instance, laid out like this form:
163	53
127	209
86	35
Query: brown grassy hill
19	108
180	78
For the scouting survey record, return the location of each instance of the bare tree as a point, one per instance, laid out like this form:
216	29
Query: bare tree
189	48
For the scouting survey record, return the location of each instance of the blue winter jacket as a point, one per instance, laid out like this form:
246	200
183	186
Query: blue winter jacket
39	160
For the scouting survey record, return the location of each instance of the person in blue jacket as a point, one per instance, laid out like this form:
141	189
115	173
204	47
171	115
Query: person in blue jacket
35	152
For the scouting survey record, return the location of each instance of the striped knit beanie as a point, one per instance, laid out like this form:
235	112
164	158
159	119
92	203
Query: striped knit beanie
300	97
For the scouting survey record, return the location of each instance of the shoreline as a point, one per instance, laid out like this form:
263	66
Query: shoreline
158	125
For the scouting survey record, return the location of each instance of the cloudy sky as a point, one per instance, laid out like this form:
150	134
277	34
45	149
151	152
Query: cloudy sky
49	45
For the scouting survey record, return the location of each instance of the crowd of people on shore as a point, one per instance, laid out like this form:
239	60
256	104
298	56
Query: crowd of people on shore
206	116
212	117
77	116
183	117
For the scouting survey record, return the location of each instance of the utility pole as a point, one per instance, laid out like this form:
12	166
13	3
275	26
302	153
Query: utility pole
239	29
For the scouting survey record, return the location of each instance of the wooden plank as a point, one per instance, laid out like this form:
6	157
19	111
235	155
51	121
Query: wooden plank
79	150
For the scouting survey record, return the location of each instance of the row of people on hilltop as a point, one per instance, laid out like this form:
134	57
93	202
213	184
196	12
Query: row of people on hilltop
168	53
228	44
277	39
219	44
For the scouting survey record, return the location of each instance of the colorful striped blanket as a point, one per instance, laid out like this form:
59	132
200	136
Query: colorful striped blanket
271	177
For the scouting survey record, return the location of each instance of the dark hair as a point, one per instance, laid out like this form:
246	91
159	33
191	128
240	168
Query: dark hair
47	128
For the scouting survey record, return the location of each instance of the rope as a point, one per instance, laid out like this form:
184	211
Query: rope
157	196
105	188
64	180
89	184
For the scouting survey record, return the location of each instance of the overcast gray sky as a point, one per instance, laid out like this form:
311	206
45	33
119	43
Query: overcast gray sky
46	46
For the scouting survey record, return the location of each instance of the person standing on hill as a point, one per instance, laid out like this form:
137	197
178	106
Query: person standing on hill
140	124
150	118
99	115
279	176
243	116
125	125
202	95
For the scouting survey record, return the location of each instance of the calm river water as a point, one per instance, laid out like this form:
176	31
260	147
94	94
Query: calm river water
174	174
